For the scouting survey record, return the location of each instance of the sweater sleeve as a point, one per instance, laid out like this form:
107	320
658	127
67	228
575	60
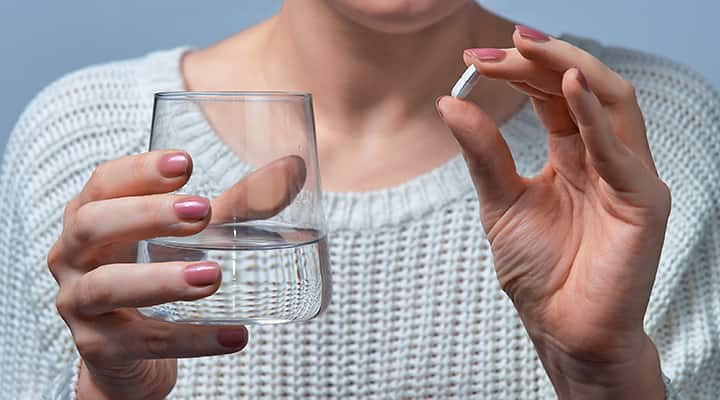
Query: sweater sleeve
34	342
682	114
72	126
684	311
670	392
63	386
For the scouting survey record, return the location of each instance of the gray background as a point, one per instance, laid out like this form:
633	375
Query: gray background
40	40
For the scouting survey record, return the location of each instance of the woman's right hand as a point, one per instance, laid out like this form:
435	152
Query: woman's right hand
124	354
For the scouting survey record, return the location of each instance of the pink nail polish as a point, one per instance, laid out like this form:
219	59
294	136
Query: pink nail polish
486	54
583	81
532	34
232	338
192	208
173	165
203	274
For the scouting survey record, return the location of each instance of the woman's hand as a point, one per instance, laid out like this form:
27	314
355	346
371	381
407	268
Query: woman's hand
124	354
577	247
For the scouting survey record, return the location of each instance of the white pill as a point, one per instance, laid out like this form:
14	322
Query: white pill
465	84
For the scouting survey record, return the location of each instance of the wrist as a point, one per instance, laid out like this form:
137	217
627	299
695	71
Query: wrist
639	376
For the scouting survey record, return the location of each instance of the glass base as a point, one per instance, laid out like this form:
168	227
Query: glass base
271	274
153	312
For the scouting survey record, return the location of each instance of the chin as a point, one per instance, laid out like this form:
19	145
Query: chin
397	16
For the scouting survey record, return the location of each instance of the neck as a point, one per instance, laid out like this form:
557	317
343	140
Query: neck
374	93
353	70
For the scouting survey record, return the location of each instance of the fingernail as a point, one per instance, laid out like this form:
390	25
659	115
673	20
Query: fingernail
441	105
194	208
232	338
202	274
173	165
532	34
583	81
485	54
437	106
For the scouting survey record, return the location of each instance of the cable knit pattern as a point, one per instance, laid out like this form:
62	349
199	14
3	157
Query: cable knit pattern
416	310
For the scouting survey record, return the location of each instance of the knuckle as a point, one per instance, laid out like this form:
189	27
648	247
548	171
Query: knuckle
158	341
660	206
152	212
627	90
197	342
473	120
94	346
91	293
93	188
70	208
665	200
84	224
63	303
54	257
88	346
139	166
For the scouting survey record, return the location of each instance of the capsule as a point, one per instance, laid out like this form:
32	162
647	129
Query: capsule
466	82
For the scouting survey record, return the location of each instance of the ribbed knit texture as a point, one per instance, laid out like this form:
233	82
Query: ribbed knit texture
416	310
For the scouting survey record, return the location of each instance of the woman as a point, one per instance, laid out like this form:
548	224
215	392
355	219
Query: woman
418	309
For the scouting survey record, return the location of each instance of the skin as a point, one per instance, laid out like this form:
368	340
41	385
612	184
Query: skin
576	248
124	354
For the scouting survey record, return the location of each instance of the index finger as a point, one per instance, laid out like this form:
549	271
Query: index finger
262	194
153	172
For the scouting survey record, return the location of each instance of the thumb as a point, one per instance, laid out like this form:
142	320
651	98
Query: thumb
263	193
487	155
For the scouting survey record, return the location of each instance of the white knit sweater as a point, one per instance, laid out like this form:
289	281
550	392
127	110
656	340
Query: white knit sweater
416	309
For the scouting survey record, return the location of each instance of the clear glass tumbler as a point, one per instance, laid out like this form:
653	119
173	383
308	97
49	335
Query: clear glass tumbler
254	156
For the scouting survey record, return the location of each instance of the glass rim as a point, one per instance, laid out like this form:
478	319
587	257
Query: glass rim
250	95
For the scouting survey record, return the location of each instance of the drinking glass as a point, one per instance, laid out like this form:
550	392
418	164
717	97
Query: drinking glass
254	156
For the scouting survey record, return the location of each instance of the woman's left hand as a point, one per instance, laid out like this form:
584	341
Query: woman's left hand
577	247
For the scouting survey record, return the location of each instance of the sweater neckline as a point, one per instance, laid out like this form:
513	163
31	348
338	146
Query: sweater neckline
387	207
